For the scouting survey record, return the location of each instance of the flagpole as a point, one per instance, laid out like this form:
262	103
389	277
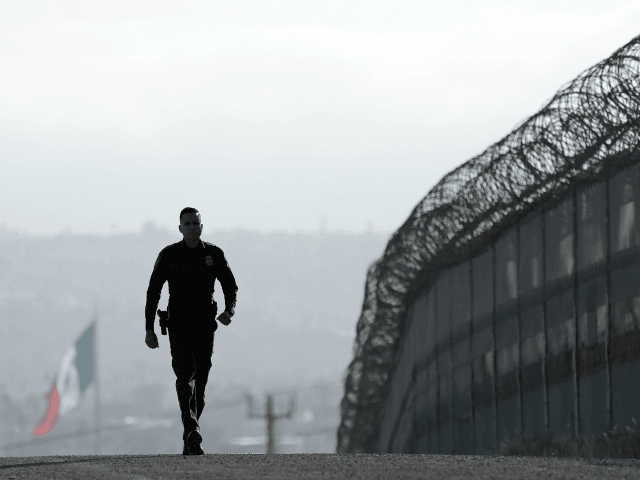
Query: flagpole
96	380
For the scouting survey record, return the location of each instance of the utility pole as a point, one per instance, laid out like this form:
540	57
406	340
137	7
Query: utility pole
271	420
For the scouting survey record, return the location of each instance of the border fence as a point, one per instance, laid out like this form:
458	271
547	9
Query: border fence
509	300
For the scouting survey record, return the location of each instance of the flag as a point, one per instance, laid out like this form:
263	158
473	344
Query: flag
75	373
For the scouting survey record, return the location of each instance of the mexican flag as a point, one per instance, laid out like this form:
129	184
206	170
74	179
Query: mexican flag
74	376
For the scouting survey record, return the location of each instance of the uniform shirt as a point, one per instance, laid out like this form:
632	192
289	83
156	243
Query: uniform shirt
191	273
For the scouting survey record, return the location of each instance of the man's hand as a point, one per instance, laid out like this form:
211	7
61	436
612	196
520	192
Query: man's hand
224	318
151	339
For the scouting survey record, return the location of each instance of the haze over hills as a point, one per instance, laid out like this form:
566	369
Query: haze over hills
299	298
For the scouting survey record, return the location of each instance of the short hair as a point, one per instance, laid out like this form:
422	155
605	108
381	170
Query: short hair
189	210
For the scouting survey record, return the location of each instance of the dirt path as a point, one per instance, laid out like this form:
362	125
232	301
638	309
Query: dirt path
321	466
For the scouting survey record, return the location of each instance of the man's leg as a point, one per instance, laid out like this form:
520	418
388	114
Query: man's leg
203	366
192	404
184	367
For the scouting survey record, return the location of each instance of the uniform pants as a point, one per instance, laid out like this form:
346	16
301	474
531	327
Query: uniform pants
191	351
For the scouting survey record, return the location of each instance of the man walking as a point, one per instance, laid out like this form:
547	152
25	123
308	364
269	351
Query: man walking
191	267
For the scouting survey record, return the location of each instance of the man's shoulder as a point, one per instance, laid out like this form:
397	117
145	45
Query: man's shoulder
211	248
166	255
169	249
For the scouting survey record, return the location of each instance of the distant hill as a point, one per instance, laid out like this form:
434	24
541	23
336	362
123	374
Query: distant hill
299	299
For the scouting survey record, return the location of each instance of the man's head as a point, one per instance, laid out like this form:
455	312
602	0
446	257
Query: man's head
190	225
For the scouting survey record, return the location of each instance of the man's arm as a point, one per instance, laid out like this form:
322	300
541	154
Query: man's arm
228	283
158	277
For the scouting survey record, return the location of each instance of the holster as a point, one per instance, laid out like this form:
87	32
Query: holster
164	320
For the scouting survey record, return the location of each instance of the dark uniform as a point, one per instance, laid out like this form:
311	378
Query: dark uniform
191	273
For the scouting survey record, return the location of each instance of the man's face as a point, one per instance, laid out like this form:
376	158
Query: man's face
190	226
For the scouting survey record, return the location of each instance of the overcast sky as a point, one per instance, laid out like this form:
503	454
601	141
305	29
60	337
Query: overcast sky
269	115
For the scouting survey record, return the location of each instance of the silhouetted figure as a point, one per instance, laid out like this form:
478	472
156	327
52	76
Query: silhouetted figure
191	267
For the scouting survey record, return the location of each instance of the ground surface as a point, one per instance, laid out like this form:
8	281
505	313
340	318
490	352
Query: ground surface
325	466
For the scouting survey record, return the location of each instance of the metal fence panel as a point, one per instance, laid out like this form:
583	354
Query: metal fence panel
592	225
422	445
432	323
530	277
532	349
482	342
422	406
396	394
462	428
625	296
484	431
444	402
508	360
424	346
402	378
427	380
483	374
625	344
483	391
460	300
592	351
559	261
461	358
414	342
390	414
532	338
443	306
432	407
407	361
482	267
507	346
560	344
483	353
625	214
461	353
404	432
506	267
424	339
625	303
385	429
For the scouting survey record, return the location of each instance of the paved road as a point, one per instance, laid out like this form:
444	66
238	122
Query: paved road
311	466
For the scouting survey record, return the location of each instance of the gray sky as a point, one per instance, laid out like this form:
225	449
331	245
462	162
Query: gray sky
269	115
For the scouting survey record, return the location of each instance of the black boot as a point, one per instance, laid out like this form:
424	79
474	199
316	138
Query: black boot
192	444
